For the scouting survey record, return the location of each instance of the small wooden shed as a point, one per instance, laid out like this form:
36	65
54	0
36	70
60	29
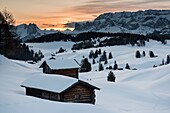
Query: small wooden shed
61	66
60	88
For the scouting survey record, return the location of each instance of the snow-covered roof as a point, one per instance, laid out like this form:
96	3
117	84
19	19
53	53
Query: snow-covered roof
56	83
62	64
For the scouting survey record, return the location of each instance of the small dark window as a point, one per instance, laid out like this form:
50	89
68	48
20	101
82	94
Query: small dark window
77	96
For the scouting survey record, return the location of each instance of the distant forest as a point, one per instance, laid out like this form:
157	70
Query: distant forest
93	39
94	35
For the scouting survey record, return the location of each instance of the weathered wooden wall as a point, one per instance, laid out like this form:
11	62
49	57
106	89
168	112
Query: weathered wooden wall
66	72
42	94
79	94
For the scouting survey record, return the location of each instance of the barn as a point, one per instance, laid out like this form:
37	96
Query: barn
65	67
60	88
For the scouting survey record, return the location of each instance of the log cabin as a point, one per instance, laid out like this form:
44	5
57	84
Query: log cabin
60	88
65	67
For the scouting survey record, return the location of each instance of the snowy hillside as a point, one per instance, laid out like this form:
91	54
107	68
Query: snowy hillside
140	22
31	31
145	90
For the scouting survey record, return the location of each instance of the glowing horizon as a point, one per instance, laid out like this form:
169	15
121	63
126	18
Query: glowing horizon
60	15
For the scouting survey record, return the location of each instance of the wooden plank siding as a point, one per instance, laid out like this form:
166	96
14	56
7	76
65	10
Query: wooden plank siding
43	94
67	72
80	94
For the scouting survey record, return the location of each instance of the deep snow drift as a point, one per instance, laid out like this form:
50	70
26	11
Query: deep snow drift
145	90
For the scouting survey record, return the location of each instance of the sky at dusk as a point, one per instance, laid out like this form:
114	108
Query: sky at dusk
58	14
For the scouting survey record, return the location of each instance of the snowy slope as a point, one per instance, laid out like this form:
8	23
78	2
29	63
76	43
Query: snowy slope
145	90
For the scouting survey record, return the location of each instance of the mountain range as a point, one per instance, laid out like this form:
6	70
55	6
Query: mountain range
140	22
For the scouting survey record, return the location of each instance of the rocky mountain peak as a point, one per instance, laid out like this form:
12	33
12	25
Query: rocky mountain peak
140	22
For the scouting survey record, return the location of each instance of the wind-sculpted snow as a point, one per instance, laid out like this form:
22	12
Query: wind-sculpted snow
145	90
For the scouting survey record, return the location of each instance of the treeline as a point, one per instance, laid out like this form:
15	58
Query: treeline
158	37
99	39
113	39
86	36
51	38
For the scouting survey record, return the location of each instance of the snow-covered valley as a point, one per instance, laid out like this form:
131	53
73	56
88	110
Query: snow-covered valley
145	90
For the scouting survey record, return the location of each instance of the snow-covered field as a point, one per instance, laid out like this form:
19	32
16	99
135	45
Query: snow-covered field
145	90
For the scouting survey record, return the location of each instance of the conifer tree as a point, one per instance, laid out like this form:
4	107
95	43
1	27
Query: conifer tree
151	54
111	77
91	55
168	59
85	66
110	55
103	57
100	52
96	53
100	67
93	61
127	66
163	62
138	55
115	67
144	54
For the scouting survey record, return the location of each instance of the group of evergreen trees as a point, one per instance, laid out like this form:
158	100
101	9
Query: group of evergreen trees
164	62
95	54
103	56
139	55
10	45
115	66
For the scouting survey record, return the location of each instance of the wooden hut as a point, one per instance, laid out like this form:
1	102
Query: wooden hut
61	66
60	88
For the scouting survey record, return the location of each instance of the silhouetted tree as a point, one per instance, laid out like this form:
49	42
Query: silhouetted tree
100	67
100	52
61	50
96	53
115	67
168	59
163	62
10	45
36	57
85	66
144	54
127	66
110	55
6	33
111	77
103	57
138	55
91	54
110	67
93	61
151	54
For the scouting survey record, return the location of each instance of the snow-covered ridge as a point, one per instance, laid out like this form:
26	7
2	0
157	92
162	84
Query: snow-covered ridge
30	31
140	22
